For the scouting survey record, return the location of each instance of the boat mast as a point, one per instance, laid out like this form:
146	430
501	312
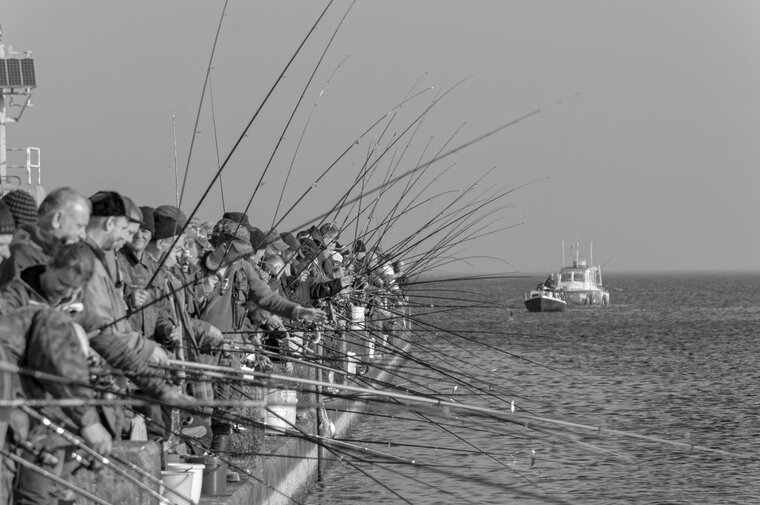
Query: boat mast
591	253
563	254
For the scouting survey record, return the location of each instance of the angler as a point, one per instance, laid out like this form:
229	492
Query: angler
43	338
227	306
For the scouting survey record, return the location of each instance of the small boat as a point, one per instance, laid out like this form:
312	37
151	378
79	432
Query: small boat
544	299
582	282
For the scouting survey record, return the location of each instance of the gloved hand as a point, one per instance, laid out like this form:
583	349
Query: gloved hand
97	437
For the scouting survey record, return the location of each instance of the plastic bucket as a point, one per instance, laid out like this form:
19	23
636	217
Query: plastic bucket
357	317
282	403
178	486
195	470
214	474
351	363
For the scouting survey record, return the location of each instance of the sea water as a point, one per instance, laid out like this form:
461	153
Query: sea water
674	357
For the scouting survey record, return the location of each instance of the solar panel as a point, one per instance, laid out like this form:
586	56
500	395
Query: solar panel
3	75
14	73
27	72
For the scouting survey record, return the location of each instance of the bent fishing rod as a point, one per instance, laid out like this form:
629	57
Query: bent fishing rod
240	138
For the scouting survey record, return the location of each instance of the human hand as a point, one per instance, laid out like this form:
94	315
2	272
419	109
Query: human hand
312	315
176	334
346	281
159	356
216	336
98	438
139	297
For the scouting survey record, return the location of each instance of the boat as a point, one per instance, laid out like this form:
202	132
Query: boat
581	281
543	299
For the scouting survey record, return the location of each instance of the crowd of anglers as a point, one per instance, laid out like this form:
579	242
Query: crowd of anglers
98	297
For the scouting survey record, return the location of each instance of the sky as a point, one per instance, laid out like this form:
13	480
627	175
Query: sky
641	136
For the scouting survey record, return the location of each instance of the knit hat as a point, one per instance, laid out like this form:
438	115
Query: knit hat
22	205
169	221
7	225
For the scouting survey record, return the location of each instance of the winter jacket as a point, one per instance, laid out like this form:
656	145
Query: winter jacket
136	273
31	246
226	307
23	291
43	339
111	335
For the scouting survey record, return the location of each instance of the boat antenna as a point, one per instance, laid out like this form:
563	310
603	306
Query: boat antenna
591	253
563	254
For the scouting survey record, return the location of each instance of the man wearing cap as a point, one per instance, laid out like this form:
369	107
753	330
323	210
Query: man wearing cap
176	329
240	288
114	220
62	219
137	269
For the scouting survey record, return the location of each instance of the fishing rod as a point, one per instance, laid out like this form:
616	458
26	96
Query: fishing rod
470	444
300	139
216	141
230	463
295	109
79	444
319	441
342	200
58	480
200	104
238	141
448	153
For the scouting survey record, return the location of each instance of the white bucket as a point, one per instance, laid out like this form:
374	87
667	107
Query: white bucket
371	348
283	403
177	484
196	471
357	317
351	363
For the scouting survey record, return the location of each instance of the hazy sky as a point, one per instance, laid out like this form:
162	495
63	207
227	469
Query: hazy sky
653	154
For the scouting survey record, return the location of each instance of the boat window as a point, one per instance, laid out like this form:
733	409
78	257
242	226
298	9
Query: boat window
566	277
578	277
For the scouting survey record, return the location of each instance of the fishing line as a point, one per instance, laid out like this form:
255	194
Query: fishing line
293	112
414	170
200	106
300	139
238	141
216	141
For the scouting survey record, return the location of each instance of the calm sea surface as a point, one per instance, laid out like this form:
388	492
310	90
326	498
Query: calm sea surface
673	357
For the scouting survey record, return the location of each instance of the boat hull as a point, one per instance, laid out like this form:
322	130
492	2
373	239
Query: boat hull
587	297
543	303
